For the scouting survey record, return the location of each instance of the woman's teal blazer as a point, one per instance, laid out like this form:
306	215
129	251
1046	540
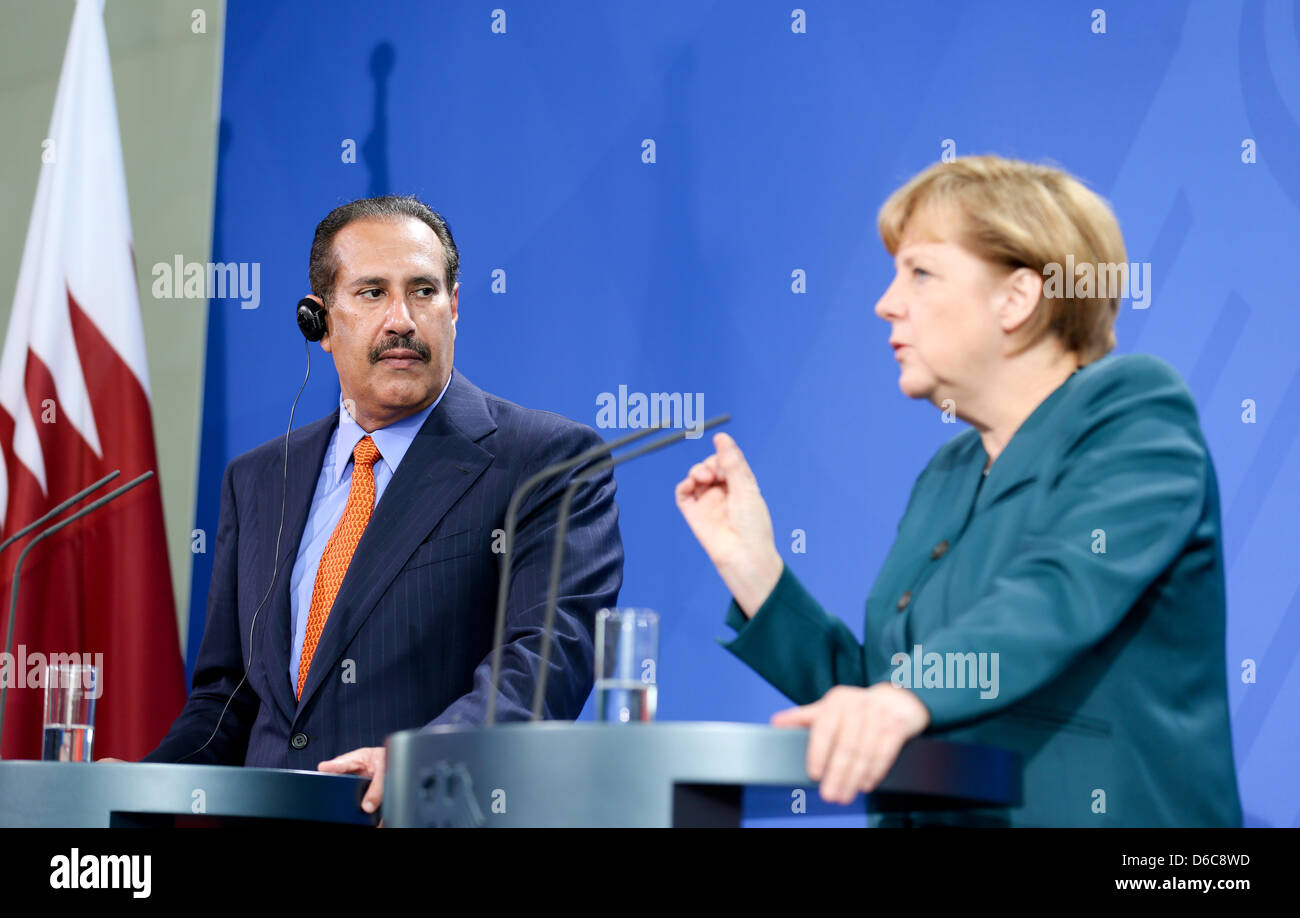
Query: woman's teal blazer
1069	605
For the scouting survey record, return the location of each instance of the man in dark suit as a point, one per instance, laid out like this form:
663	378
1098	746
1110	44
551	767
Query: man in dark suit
366	605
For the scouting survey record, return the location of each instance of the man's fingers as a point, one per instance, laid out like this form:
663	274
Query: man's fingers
349	763
369	763
375	793
343	765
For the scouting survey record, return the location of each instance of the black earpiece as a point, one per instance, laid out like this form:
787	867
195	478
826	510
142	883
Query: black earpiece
311	319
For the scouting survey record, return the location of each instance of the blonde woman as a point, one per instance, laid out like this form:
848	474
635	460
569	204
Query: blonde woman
1067	544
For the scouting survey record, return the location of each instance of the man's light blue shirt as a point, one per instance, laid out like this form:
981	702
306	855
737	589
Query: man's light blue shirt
331	498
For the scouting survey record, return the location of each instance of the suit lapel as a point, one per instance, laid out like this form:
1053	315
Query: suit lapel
306	453
1020	460
1014	468
441	464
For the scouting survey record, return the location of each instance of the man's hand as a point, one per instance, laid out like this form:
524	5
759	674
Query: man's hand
368	762
721	502
109	759
855	735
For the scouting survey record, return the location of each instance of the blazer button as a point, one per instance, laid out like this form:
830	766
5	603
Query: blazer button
904	600
298	741
938	551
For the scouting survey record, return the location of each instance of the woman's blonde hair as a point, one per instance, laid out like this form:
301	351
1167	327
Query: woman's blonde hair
1020	215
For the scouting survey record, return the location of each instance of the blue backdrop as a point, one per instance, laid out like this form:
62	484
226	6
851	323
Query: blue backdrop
773	150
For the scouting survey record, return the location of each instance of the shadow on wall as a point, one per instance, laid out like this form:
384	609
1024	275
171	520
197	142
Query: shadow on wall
374	150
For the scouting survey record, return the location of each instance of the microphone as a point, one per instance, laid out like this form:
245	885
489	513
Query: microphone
45	533
562	528
508	543
60	508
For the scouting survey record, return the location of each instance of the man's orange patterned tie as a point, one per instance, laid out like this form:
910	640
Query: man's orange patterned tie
338	551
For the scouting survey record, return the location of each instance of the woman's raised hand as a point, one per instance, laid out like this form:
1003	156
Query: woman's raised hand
721	502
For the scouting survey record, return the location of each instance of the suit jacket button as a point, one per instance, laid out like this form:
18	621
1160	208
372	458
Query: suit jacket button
904	600
937	552
298	741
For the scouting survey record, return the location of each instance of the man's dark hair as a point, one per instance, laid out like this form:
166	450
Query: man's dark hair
322	268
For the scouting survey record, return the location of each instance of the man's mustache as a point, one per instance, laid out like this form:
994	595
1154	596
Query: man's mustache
394	343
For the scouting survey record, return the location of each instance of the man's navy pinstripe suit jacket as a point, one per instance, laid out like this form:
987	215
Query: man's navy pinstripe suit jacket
408	640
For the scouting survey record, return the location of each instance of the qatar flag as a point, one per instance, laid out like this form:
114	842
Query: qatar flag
74	406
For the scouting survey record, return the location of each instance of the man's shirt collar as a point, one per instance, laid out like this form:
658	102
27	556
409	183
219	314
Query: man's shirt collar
393	441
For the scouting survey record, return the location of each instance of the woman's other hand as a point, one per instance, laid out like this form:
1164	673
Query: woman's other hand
721	502
855	735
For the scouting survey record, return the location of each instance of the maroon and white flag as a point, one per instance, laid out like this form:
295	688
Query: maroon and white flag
74	405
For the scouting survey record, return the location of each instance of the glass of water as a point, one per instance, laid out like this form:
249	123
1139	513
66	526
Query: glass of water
627	655
70	693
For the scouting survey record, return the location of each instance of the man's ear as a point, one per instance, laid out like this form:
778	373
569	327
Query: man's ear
455	308
1018	295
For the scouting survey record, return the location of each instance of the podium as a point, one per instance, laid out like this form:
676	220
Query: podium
559	773
148	795
556	773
